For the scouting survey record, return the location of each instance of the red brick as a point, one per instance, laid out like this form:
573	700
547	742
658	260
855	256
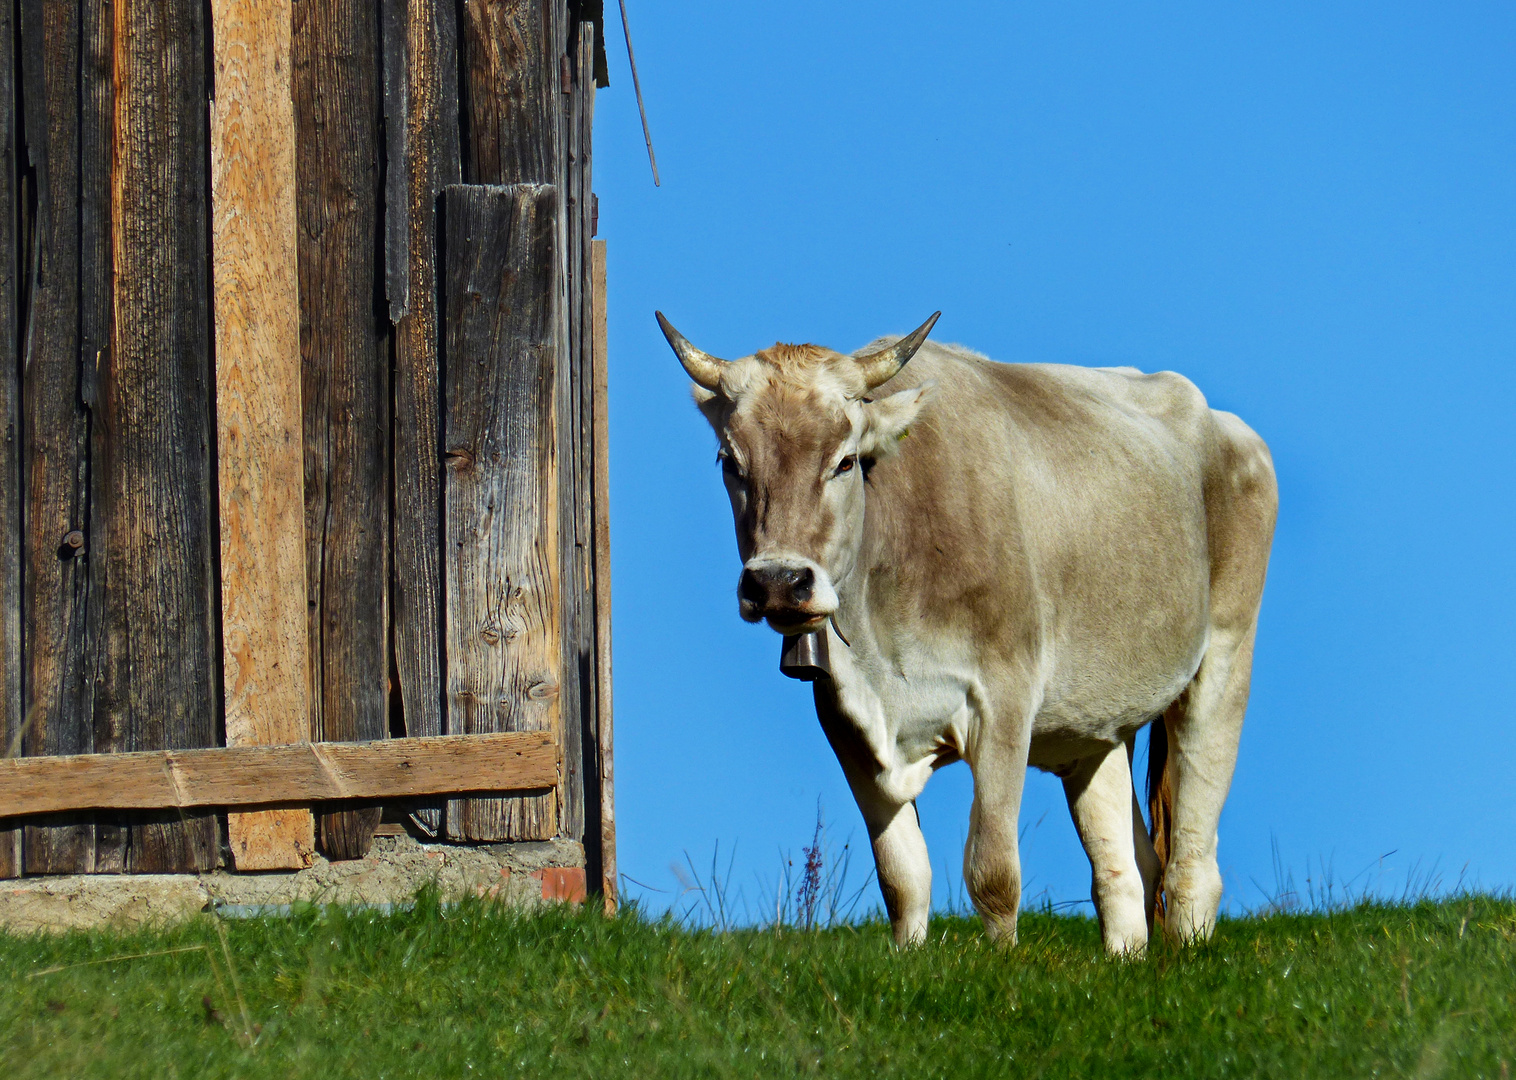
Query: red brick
564	883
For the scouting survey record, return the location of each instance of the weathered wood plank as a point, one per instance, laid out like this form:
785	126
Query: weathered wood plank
157	682
97	152
504	656
344	343
260	462
429	84
602	459
264	775
10	441
511	64
574	498
56	709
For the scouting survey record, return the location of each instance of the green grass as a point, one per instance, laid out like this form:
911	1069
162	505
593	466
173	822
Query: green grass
1426	990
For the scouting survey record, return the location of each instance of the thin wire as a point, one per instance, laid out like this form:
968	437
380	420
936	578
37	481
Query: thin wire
626	32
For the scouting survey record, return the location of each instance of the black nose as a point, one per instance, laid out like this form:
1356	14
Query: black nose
776	586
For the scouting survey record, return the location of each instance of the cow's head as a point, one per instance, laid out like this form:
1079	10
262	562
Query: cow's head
798	435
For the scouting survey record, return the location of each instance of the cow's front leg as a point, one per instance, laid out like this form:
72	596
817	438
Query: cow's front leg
991	859
1099	791
905	869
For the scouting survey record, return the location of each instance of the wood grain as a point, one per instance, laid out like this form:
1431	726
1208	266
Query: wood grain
511	91
261	775
11	714
602	459
504	655
344	343
56	708
260	463
157	682
427	84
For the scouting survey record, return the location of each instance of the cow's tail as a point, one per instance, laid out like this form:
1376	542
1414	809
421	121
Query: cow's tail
1160	803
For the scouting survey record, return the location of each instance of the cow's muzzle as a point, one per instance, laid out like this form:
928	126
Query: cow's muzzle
788	595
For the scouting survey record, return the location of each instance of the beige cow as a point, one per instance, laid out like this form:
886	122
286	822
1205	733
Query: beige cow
1055	557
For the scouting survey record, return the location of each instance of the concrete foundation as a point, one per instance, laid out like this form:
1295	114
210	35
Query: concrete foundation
523	874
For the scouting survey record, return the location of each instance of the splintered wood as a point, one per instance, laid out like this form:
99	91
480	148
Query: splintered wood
257	317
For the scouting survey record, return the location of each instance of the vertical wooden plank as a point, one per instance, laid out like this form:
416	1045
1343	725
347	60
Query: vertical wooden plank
574	500
56	709
602	459
10	439
512	90
157	684
512	126
97	151
504	655
423	75
260	459
344	344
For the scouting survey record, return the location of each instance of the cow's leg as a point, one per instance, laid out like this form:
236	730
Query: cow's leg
904	868
900	855
1203	735
991	859
1099	791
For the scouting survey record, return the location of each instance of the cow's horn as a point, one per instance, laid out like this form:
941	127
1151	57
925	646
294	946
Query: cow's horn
704	368
882	366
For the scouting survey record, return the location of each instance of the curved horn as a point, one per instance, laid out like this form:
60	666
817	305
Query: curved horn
704	368
883	365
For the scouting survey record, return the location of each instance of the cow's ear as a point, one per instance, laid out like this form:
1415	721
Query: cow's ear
887	422
712	406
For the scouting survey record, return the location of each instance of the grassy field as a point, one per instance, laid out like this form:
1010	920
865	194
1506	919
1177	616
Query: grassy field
1421	991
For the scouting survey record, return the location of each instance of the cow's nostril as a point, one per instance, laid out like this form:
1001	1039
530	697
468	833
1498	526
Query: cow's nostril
750	589
804	582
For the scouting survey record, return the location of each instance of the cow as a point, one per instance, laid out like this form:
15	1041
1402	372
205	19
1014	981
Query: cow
1054	558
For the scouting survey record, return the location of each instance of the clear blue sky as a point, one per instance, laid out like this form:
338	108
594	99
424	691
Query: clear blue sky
1308	209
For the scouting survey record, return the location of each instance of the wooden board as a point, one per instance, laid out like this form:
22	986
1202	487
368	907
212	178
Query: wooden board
344	344
421	102
157	681
11	715
56	710
504	658
263	775
602	460
263	618
511	55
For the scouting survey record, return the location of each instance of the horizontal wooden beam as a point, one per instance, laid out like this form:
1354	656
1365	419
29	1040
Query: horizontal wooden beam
516	761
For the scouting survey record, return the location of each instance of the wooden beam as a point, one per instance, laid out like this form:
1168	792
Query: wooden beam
504	660
266	775
153	499
260	463
339	154
10	439
602	456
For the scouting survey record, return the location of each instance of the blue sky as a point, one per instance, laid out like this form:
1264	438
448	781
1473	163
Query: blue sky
1308	209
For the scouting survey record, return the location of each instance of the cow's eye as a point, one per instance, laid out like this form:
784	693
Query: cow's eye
846	465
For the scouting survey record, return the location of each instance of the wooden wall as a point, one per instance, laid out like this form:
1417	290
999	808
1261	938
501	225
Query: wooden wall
389	205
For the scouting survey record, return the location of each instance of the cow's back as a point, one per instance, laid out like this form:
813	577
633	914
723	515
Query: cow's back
1054	516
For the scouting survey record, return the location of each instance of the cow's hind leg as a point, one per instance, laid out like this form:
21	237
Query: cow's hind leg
1099	791
1205	726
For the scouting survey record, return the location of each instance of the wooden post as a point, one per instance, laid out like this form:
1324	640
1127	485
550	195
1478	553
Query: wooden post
602	458
421	100
157	682
11	716
260	463
344	343
504	658
56	714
